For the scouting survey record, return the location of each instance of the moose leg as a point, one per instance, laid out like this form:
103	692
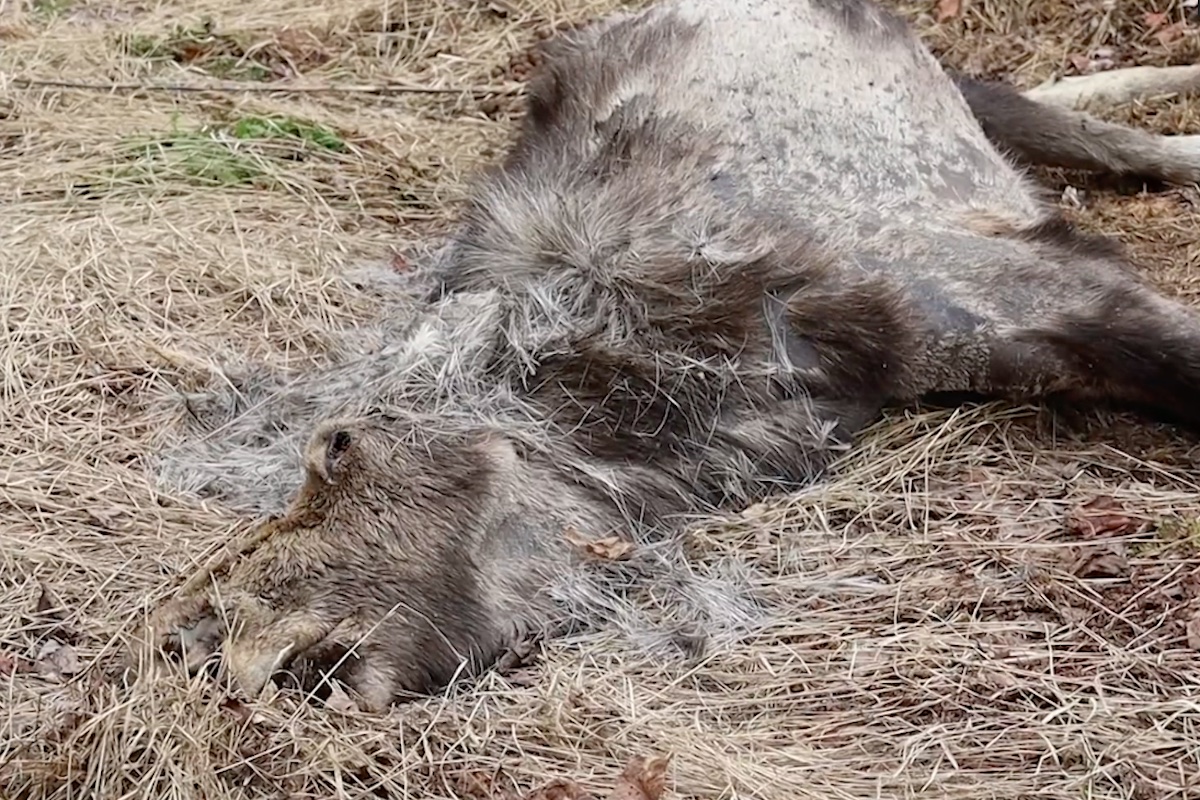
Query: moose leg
1116	341
251	659
1042	127
1117	86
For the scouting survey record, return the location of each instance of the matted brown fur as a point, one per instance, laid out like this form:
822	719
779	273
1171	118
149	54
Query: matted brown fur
970	659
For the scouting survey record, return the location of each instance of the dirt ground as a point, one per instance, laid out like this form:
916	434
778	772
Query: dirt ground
985	602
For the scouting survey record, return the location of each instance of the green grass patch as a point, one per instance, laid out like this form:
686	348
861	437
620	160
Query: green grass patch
181	43
1170	534
249	151
1180	530
198	157
288	128
219	54
49	9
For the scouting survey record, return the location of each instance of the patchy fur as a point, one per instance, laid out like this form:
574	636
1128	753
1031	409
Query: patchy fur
730	232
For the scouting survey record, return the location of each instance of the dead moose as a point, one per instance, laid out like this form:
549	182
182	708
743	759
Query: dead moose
730	233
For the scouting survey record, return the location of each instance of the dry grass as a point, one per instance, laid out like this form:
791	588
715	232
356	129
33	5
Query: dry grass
943	628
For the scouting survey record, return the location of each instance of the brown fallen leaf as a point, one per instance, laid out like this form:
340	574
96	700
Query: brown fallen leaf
400	263
302	48
1172	32
1155	19
518	655
46	602
47	621
1099	561
15	32
999	679
948	9
1101	516
1099	60
559	789
484	785
237	709
503	10
1079	62
1193	631
642	779
610	548
57	661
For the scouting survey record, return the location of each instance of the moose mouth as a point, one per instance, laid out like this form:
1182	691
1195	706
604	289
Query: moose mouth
196	636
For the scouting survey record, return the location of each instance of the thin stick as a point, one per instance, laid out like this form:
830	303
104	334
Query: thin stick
385	88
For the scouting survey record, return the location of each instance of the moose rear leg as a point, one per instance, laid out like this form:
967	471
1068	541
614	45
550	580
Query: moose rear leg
1050	311
1043	127
1117	86
1119	343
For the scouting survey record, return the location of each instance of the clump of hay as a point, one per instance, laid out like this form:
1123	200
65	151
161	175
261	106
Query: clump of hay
981	602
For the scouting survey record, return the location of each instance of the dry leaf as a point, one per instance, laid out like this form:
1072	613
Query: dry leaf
642	779
610	548
57	661
483	785
559	789
237	709
1101	516
948	9
103	519
1155	19
339	701
1193	631
1171	33
1000	679
1080	63
15	32
46	621
1100	59
519	655
1100	562
302	47
503	10
46	602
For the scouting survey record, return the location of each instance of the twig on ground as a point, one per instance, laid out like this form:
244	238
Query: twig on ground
256	88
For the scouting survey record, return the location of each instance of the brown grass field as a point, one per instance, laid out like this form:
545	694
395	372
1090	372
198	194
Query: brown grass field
988	602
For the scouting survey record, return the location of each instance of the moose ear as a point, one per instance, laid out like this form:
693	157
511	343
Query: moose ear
327	452
500	451
337	443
